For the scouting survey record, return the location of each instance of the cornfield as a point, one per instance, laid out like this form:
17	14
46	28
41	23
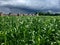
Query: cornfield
29	30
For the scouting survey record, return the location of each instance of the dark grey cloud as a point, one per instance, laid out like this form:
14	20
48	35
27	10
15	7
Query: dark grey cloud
32	5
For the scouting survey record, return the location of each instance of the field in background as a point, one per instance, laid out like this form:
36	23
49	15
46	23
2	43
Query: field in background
29	30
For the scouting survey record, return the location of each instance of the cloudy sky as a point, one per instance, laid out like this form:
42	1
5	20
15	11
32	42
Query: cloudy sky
29	6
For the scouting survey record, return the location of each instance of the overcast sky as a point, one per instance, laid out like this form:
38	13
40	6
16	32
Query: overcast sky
32	4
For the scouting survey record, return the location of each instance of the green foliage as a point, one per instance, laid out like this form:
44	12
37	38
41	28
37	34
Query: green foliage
47	14
29	30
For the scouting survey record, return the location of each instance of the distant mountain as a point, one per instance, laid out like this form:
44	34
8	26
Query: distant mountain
13	9
17	9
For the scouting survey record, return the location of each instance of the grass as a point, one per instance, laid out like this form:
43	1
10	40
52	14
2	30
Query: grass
29	30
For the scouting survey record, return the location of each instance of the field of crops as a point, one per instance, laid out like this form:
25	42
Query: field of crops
29	30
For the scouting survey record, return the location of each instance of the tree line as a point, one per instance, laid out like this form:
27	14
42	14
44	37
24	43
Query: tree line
37	13
47	14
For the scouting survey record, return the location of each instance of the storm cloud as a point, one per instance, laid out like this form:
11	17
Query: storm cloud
32	5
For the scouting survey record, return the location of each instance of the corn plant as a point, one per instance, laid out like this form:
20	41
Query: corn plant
29	30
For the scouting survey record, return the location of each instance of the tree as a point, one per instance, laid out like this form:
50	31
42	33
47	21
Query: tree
9	13
0	13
